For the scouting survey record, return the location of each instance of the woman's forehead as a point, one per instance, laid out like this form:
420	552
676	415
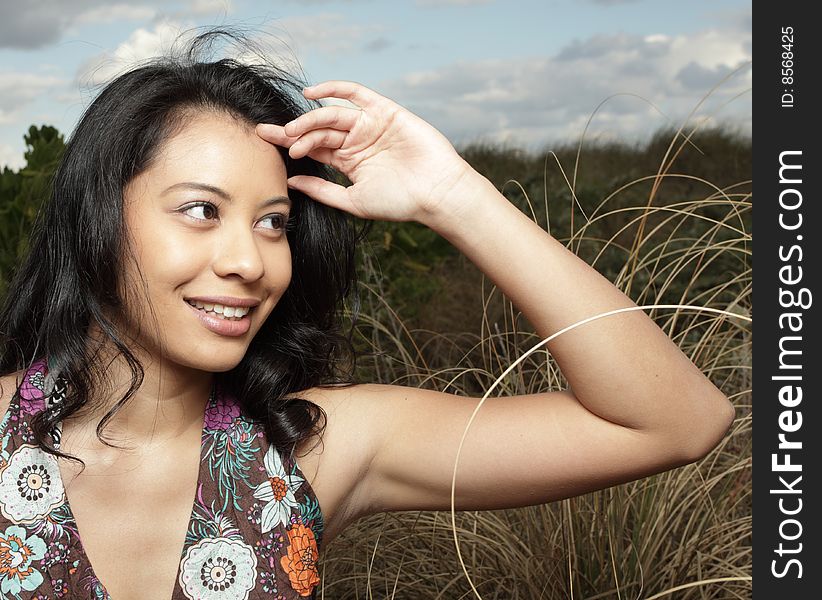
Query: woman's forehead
208	135
216	148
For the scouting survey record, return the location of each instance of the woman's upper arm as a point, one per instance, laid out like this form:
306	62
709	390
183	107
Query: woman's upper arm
519	451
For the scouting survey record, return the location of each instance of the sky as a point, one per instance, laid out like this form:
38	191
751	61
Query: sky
526	73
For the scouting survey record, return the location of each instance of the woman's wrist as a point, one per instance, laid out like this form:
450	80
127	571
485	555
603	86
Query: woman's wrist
466	196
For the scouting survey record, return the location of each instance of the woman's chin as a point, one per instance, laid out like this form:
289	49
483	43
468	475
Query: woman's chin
214	358
218	364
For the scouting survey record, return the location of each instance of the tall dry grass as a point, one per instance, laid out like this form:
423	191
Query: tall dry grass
682	534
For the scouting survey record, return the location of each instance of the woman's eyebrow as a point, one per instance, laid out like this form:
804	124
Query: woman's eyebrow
222	193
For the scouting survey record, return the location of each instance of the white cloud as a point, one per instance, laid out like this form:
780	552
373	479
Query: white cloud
31	25
331	34
17	90
142	44
110	13
163	38
539	100
199	8
11	157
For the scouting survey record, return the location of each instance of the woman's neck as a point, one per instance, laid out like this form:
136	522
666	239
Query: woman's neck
170	401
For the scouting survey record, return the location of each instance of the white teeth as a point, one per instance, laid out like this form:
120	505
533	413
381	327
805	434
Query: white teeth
227	312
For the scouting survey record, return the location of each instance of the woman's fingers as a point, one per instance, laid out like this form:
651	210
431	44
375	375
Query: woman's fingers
303	144
334	117
317	138
274	134
327	192
352	91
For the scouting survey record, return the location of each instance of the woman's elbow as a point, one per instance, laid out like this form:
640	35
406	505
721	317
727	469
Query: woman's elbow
708	429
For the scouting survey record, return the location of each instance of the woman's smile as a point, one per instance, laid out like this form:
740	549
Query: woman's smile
226	306
227	312
223	320
224	315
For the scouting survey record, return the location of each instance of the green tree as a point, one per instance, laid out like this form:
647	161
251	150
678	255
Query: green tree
22	193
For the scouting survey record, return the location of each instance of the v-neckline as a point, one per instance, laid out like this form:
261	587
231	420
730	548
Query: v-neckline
72	521
234	492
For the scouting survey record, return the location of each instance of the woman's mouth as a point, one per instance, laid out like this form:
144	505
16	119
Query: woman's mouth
230	313
231	321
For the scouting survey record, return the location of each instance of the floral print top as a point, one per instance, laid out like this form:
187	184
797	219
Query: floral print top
255	525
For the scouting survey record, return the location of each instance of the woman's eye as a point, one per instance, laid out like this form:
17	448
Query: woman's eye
203	211
277	222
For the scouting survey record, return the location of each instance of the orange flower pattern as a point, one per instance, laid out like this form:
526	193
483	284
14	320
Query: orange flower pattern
278	487
300	561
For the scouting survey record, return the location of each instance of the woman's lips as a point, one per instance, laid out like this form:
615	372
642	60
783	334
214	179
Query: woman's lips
221	326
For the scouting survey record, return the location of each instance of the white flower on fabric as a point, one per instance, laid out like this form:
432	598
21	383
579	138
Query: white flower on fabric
218	569
30	485
18	553
277	492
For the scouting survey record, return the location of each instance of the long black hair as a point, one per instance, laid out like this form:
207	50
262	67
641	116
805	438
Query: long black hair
79	241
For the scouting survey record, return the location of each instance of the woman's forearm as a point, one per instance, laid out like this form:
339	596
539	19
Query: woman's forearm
621	367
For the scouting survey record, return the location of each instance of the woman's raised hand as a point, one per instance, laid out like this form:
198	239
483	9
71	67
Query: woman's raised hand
400	166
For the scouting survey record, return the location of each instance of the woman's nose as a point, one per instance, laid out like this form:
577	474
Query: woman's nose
238	254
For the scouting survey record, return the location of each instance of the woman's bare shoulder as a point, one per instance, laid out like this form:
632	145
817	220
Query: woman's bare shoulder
8	385
342	397
345	408
352	417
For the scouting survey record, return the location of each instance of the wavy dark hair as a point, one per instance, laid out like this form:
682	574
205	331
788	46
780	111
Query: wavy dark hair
67	279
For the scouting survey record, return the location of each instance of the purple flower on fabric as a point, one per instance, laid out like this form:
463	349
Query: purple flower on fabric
56	553
32	396
32	406
269	546
221	413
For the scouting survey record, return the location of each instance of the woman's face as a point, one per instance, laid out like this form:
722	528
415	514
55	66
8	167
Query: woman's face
207	225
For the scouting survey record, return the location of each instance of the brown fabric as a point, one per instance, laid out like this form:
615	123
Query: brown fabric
254	531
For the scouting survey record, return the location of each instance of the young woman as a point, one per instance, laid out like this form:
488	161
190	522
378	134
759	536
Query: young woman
172	393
